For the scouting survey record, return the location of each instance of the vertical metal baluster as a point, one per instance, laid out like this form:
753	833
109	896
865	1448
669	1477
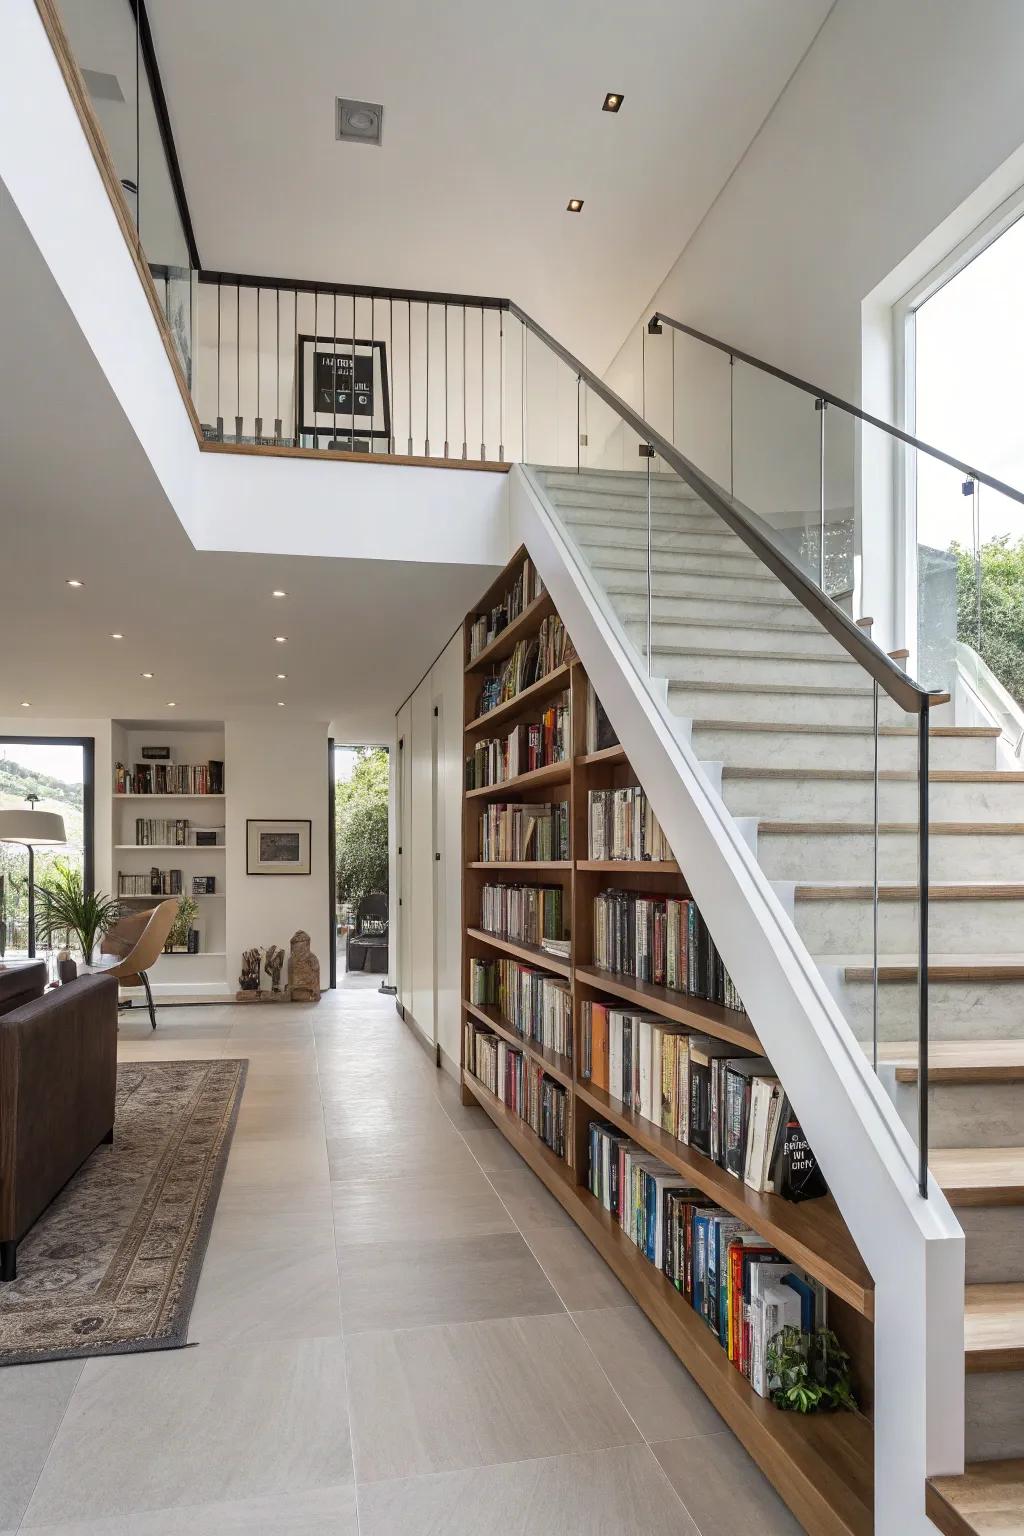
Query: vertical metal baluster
370	439
277	371
922	959
426	394
334	369
138	135
464	453
501	386
673	329
238	363
483	450
258	424
650	571
220	418
352	385
874	896
732	424
408	307
526	359
820	406
316	340
971	488
391	369
446	381
579	439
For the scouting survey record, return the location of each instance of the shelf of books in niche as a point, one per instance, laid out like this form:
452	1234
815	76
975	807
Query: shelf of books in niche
167	778
528	745
533	659
492	634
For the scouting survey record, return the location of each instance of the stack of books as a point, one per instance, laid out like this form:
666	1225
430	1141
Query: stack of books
530	913
159	830
170	779
742	1287
536	745
519	1084
661	939
524	832
622	825
155	882
488	626
536	1005
529	662
696	1088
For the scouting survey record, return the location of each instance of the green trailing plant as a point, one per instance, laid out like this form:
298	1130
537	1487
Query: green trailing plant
811	1372
187	911
64	906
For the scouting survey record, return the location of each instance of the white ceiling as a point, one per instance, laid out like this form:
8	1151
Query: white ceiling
78	498
492	122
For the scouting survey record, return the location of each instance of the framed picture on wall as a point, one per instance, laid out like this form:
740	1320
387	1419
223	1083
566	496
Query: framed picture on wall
343	391
277	847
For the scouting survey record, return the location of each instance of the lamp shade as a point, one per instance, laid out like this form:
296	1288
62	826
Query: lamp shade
35	827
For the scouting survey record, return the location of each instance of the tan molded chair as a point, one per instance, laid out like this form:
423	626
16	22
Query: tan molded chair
138	940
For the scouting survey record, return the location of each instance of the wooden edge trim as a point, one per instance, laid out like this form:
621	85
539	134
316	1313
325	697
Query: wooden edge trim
284	451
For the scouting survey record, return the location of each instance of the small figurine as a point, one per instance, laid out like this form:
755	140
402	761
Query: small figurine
272	965
249	980
303	970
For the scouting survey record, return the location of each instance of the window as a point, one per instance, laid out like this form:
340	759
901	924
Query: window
60	774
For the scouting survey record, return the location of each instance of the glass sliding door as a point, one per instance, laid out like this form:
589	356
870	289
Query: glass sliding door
361	783
53	775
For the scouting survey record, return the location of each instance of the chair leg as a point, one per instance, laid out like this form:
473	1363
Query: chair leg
149	998
8	1261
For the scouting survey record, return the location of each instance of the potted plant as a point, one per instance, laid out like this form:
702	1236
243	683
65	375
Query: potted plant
66	907
177	939
809	1372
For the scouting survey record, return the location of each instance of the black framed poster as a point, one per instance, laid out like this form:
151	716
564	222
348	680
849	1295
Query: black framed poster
343	390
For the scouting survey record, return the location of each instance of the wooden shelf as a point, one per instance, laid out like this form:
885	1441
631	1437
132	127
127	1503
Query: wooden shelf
116	796
812	1234
504	644
531	953
169	896
562	864
560	1067
823	1463
165	847
708	1018
630	866
552	682
550	773
614	754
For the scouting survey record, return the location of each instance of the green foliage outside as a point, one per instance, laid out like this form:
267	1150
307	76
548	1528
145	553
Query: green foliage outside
1002	608
17	782
361	811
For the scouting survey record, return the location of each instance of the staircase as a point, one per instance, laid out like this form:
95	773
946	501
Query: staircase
781	718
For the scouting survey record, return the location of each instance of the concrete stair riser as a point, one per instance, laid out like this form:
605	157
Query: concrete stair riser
632	604
783	707
668	536
742	667
828	855
673	561
966	927
590	483
740	637
994	1416
807	749
852	799
966	1114
686	583
995	1243
957	1010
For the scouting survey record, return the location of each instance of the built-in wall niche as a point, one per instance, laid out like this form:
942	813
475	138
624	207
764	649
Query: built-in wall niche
168	843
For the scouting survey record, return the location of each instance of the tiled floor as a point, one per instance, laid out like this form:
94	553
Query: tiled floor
399	1333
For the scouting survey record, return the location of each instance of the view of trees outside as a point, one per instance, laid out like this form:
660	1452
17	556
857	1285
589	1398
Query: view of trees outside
54	773
361	826
969	346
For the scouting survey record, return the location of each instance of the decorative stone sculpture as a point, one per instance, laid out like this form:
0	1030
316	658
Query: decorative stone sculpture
303	970
272	965
249	980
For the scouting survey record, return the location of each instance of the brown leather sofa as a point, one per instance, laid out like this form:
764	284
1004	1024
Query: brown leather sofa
20	983
58	1075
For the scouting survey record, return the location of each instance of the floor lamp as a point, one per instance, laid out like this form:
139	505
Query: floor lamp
33	829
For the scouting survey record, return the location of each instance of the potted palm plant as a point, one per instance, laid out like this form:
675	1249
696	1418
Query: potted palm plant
66	907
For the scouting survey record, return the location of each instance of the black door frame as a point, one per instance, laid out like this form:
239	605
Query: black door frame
332	855
88	746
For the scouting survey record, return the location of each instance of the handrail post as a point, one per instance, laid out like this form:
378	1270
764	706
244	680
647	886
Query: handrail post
922	958
819	406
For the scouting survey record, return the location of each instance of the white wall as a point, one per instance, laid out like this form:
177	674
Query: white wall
429	919
275	769
896	114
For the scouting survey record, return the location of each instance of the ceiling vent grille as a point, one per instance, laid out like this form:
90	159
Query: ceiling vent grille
362	122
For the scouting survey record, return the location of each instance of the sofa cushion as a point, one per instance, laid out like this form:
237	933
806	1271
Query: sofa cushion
21	982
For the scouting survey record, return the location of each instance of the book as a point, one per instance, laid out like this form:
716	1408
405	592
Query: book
531	914
534	1004
523	748
600	732
486	627
622	826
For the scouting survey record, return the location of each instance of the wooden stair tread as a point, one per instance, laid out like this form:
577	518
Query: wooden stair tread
986	1500
970	890
886	775
935	828
994	1327
979	1175
813	728
957	1061
940	967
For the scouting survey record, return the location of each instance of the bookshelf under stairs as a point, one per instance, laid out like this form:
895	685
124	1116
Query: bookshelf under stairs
821	1465
167	830
781	718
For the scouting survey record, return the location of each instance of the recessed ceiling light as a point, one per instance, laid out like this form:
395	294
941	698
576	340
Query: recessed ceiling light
72	583
147	674
26	703
277	592
171	704
280	703
281	676
612	102
574	205
281	639
117	636
362	122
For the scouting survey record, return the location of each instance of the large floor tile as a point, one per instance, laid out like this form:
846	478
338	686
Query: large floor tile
275	1161
32	1402
491	1150
459	1280
472	1394
659	1392
528	1201
197	1426
319	1512
577	1272
420	1208
618	1492
723	1489
361	1155
268	1280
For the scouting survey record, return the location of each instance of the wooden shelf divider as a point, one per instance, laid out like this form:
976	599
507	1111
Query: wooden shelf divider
822	1466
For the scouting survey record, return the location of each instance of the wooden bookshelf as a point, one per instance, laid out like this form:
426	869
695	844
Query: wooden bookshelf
822	1466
